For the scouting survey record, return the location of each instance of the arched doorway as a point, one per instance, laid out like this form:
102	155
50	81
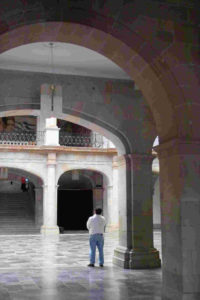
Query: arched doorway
79	192
18	207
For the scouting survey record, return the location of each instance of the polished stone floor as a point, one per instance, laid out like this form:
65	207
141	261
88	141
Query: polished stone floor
34	267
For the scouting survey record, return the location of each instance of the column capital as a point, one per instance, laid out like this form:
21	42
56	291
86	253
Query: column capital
51	159
109	186
177	147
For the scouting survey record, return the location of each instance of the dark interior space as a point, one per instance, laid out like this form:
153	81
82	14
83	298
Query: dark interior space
74	208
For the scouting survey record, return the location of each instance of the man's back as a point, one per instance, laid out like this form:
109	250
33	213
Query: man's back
96	224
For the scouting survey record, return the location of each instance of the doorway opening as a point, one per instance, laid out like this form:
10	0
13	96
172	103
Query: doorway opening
17	205
74	208
79	192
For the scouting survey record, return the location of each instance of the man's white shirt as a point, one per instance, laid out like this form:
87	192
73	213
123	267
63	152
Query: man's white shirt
96	224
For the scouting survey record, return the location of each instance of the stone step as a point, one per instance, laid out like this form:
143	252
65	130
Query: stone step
17	222
11	212
15	216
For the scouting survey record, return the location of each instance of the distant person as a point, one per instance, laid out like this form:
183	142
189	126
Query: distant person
9	124
26	184
96	226
23	184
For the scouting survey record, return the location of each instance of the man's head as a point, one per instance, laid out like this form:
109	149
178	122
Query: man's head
98	211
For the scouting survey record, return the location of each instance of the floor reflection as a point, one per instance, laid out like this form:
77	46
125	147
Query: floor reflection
35	267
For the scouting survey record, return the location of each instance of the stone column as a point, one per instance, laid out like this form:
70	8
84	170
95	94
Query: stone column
122	252
180	219
50	198
136	250
115	215
143	253
38	206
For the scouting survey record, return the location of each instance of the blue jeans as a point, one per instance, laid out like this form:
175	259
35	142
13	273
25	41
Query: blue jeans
96	240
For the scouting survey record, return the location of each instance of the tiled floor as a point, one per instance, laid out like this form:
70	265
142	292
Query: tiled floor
34	267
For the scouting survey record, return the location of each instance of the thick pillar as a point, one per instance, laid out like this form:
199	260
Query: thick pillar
143	253
38	206
136	250
50	198
180	219
122	252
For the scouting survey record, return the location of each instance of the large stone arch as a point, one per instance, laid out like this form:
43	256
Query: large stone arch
34	192
107	177
27	168
35	179
104	196
165	69
150	77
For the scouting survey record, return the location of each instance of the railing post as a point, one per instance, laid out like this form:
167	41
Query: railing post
51	133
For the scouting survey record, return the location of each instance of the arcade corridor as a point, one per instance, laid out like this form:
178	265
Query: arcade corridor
39	268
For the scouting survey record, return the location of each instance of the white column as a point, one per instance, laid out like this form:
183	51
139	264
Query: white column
50	198
115	206
109	206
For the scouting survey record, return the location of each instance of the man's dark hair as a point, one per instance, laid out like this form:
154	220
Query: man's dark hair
98	211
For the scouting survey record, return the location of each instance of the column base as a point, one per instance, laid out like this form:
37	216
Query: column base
49	230
121	257
144	259
132	259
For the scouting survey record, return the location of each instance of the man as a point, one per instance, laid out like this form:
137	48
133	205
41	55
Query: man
96	226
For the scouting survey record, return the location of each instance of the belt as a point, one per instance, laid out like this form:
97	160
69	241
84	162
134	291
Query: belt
96	233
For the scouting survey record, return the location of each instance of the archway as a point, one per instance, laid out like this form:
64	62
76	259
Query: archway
79	192
19	207
158	65
139	69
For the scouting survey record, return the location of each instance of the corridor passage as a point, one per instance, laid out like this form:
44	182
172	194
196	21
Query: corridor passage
35	267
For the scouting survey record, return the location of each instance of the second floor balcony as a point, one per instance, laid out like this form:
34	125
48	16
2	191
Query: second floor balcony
93	140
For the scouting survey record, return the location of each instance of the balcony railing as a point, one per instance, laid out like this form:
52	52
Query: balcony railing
21	138
78	140
65	139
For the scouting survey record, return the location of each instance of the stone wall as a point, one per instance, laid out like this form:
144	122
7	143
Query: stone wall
112	104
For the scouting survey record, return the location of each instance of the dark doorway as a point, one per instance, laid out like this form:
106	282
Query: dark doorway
74	208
